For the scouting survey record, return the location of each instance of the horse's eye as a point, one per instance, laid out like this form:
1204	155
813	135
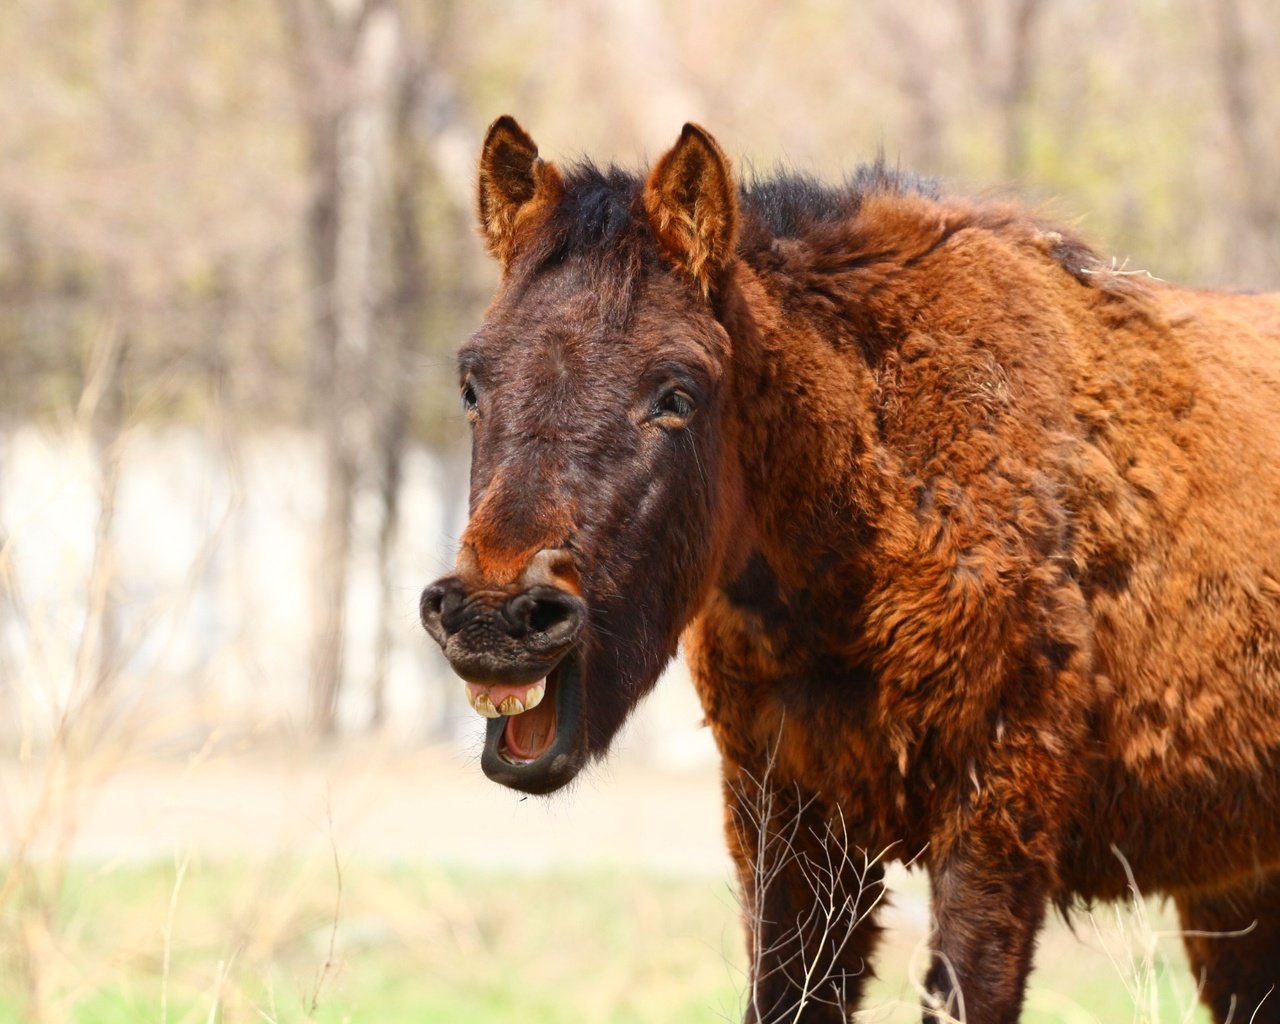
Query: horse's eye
470	403
674	406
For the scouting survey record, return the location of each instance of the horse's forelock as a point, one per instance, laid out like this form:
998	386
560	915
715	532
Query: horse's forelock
597	224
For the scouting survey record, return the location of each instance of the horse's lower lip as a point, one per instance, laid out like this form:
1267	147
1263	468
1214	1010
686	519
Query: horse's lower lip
542	767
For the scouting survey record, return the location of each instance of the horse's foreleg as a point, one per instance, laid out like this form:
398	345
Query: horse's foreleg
809	895
991	870
985	921
1233	942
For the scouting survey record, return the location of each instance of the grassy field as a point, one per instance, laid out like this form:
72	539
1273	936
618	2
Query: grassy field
324	941
377	884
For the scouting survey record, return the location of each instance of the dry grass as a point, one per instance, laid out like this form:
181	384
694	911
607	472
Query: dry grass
196	940
248	943
1137	969
313	889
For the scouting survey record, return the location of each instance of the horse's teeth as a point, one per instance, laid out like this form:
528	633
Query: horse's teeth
481	700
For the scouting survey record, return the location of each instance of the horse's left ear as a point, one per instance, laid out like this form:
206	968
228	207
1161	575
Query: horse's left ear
512	176
692	205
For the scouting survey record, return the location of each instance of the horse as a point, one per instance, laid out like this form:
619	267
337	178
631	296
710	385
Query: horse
971	540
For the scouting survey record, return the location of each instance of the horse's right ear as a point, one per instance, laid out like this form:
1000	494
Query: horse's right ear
511	178
692	205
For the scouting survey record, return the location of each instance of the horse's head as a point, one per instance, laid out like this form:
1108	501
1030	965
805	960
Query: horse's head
596	391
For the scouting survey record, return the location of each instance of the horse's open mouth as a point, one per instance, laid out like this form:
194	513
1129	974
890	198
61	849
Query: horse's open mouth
534	740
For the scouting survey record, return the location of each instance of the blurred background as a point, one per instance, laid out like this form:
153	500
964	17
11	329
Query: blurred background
236	254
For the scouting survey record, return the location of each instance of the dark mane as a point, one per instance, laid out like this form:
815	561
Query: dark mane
600	218
599	214
787	203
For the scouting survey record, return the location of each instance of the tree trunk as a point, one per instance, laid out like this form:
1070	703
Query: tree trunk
102	410
102	402
342	67
1009	76
408	310
1253	177
1016	98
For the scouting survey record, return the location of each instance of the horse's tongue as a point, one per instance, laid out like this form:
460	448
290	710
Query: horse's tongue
529	735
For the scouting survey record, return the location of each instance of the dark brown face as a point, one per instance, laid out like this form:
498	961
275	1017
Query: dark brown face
595	459
595	390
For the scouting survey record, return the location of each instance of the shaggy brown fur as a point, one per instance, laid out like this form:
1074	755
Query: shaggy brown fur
974	546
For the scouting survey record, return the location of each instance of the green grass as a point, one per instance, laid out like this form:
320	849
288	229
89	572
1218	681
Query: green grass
410	945
418	944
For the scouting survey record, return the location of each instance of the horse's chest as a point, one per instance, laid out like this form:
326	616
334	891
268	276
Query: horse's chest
807	723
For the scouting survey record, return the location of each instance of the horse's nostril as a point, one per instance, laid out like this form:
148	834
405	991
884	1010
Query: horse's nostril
548	614
451	603
549	617
438	605
429	611
557	620
429	603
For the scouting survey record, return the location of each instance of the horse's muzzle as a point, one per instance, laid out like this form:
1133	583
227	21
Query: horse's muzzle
511	634
521	649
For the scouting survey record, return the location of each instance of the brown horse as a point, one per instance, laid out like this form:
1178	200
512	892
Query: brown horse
973	544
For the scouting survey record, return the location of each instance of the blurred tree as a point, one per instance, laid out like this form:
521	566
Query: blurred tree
404	334
102	408
246	218
344	60
1252	127
1001	42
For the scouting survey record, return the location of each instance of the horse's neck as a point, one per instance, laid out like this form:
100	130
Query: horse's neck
801	427
798	429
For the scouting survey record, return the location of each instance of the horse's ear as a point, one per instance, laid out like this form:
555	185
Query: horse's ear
511	178
692	205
